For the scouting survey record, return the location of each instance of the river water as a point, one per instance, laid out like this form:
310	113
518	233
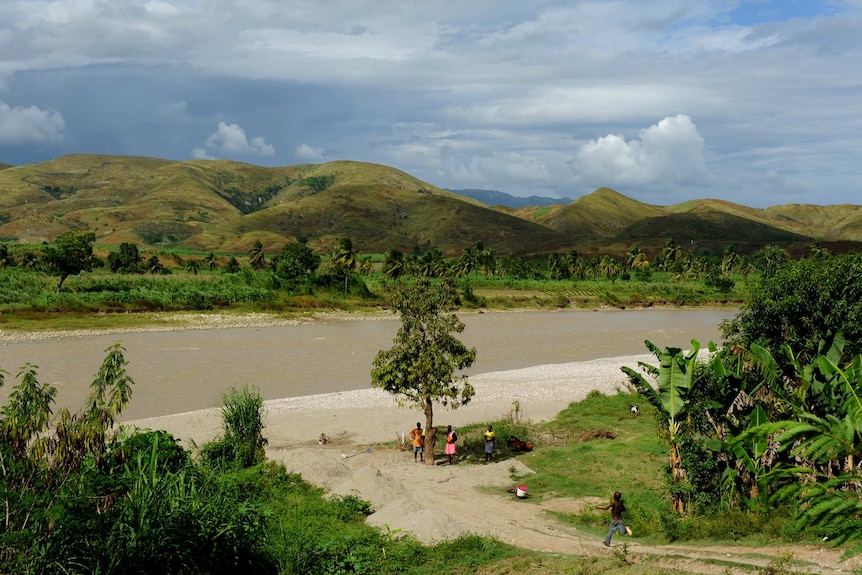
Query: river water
179	371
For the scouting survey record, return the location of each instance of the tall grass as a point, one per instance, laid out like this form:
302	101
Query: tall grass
242	444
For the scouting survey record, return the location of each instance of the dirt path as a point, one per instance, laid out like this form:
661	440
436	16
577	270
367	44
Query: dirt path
443	501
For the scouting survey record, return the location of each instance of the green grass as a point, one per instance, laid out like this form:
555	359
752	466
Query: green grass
595	447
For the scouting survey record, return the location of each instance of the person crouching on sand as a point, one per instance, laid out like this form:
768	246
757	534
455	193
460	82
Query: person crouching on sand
617	524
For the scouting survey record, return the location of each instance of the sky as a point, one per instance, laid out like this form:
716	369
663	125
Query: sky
758	102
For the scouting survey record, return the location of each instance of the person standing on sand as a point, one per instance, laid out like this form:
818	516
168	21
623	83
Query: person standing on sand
451	440
489	443
418	437
617	524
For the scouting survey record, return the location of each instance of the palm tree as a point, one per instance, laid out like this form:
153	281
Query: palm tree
671	253
729	261
558	267
608	267
487	261
344	260
466	263
367	266
210	262
632	254
193	266
256	257
393	264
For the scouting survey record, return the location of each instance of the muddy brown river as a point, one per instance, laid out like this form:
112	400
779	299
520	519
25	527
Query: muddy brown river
179	371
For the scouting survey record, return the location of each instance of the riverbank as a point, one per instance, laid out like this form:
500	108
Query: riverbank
368	416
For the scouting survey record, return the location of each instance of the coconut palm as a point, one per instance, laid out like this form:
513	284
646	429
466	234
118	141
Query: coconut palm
193	266
393	264
670	253
729	261
209	262
256	257
344	260
466	263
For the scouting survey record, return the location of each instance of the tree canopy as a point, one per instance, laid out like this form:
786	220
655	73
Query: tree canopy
295	262
422	366
71	254
800	303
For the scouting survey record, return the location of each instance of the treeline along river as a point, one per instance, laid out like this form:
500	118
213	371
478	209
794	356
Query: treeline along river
187	370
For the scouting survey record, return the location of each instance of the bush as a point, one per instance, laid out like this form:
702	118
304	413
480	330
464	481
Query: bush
242	422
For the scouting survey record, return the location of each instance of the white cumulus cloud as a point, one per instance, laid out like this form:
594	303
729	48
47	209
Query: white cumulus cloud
201	154
30	124
231	139
668	153
306	152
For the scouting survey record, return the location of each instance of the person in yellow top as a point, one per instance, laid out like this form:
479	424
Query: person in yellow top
489	443
418	437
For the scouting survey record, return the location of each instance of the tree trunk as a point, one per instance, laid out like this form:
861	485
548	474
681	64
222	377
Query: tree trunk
430	432
677	475
60	283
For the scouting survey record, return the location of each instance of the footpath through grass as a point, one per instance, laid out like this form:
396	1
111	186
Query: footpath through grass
595	447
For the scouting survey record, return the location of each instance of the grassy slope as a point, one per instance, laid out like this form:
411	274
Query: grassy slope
601	214
226	206
595	447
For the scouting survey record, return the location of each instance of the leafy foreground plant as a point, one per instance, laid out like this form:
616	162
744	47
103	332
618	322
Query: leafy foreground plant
83	497
243	442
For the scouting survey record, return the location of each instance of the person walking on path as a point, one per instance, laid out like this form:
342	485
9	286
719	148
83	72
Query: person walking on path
451	440
489	443
617	524
418	438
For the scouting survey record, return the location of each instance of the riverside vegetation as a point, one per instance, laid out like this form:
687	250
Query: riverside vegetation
774	417
72	278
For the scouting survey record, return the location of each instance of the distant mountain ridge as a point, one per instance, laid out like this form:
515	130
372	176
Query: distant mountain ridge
496	198
226	206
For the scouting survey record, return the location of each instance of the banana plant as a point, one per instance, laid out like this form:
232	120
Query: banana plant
748	468
673	378
828	487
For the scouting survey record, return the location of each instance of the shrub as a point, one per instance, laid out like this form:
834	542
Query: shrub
242	422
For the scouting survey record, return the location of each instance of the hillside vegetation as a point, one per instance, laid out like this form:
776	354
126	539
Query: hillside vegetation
226	206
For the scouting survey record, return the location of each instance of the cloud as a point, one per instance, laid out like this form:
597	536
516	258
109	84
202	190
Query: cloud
160	8
21	125
201	154
176	112
231	139
306	152
668	153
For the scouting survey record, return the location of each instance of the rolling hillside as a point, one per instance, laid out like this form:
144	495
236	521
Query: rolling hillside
219	205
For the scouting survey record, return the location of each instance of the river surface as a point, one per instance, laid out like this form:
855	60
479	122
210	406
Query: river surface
180	371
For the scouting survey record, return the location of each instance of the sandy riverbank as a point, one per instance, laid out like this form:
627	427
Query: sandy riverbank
371	415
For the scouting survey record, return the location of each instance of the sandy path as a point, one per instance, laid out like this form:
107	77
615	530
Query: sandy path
443	501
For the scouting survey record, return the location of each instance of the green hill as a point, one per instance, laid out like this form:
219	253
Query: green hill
220	205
